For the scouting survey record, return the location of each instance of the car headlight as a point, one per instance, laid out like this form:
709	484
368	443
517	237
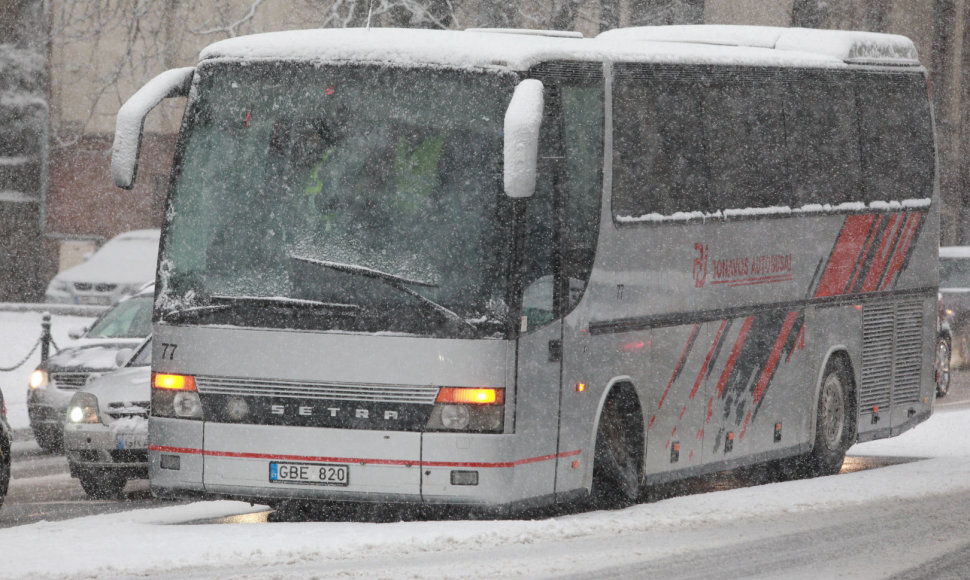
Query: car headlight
39	379
83	408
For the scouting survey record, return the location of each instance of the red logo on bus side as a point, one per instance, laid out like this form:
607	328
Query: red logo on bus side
700	264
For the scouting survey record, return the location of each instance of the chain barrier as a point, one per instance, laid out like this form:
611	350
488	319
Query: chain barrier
44	341
25	359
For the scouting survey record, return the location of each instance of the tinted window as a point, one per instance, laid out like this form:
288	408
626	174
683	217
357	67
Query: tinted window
711	139
583	128
822	140
746	145
659	160
897	139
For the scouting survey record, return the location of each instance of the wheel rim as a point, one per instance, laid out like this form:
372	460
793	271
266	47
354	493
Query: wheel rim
832	412
942	367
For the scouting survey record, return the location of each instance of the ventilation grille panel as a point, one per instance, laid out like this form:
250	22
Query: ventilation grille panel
892	354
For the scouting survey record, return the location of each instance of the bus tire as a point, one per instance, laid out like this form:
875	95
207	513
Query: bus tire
835	426
618	458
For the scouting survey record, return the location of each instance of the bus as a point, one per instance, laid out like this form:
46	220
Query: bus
505	269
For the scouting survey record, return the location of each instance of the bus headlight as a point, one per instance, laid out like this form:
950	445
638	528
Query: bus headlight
83	409
455	416
468	409
175	396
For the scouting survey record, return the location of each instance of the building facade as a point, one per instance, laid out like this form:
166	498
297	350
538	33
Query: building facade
56	194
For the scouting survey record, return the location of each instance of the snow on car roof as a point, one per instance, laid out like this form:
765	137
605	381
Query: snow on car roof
521	50
959	252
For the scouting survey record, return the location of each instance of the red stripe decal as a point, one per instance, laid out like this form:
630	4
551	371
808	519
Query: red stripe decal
897	264
769	369
745	428
865	252
185	450
361	461
707	361
738	343
882	255
680	365
845	255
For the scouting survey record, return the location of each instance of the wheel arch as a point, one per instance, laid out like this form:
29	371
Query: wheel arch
840	352
623	385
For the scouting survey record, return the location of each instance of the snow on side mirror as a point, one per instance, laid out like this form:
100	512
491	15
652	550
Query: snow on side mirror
522	122
131	121
122	356
77	332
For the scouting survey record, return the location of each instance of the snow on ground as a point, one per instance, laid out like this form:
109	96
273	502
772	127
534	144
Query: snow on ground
166	539
19	331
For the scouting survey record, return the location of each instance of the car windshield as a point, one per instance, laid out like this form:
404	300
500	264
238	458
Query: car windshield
131	318
376	191
954	272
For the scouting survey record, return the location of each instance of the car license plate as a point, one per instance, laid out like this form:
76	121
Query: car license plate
311	473
94	300
132	441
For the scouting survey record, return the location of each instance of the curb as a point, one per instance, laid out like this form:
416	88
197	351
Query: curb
62	309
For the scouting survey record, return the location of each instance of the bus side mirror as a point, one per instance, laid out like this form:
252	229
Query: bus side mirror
131	121
522	123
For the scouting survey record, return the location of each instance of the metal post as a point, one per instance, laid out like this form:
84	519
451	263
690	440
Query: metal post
45	337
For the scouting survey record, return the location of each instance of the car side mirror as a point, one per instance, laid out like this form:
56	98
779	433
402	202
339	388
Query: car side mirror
523	120
122	356
131	121
77	332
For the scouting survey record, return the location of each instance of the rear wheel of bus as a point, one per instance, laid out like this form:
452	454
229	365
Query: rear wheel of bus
618	459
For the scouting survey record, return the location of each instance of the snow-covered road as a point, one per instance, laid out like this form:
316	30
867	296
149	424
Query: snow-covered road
868	524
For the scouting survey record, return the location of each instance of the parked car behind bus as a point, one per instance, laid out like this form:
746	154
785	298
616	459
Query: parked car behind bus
955	292
119	268
54	382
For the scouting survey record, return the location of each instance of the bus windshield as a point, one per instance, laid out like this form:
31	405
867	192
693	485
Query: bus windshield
351	198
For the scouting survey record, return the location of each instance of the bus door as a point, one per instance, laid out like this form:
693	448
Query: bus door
568	199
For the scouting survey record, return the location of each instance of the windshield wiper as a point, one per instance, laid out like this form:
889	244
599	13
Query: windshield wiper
229	302
192	312
396	282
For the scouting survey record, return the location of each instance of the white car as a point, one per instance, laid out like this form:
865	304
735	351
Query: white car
106	427
120	268
93	353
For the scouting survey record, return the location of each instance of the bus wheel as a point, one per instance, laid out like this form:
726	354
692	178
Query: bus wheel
618	459
835	421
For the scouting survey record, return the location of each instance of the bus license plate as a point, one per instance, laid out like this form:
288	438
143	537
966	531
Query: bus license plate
312	473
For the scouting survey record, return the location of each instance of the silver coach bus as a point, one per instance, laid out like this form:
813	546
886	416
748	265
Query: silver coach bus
505	268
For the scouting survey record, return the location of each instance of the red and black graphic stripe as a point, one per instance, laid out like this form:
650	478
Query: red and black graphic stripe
765	341
677	370
870	253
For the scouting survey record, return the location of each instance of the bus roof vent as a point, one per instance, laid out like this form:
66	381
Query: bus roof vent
529	32
845	45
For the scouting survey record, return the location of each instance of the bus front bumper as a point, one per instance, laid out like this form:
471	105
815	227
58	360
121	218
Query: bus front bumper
245	462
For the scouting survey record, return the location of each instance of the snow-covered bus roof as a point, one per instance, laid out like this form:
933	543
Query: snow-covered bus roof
520	50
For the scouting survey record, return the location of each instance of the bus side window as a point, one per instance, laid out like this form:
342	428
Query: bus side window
583	144
896	135
823	140
538	283
744	123
659	158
